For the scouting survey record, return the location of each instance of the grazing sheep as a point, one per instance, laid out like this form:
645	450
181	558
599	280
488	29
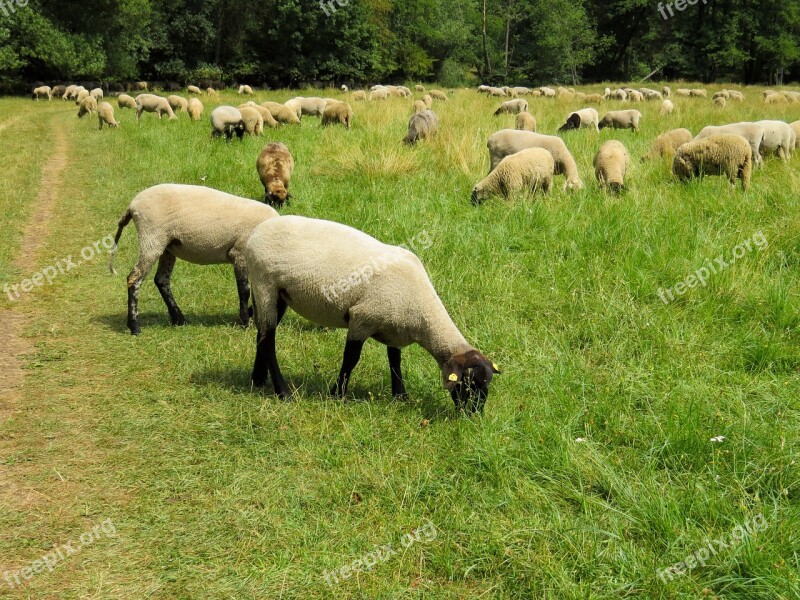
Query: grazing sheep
97	94
754	134
69	92
419	88
792	96
359	95
195	109
666	91
227	120
421	126
125	101
88	106
651	94
281	113
58	91
245	90
667	143
193	89
775	99
593	99
275	165
294	105
211	91
610	165
178	103
337	112
511	92
42	91
719	102
344	89
438	95
547	92
635	96
525	122
140	86
527	170
404	91
521	91
428	100
154	104
779	139
379	94
311	107
511	141
105	114
253	121
419	106
667	108
739	96
266	116
512	107
724	154
698	93
82	94
620	95
584	118
796	128
493	91
683	92
197	224
621	119
316	268
721	94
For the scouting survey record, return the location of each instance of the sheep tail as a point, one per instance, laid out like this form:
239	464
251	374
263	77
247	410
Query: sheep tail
126	218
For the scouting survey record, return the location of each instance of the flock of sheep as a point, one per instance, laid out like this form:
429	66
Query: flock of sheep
290	261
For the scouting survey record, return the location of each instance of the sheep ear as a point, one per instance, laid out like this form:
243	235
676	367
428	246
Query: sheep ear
451	374
496	369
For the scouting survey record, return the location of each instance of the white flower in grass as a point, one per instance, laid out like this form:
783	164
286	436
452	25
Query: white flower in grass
580	440
718	438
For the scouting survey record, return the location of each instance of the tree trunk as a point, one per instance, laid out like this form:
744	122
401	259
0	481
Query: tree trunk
509	8
220	22
486	63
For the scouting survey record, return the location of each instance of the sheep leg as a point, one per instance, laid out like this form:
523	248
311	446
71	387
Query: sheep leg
398	389
135	278
162	280
352	354
266	358
243	286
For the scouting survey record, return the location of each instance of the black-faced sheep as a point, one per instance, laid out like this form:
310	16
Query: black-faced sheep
621	119
227	121
275	165
512	107
610	165
525	121
340	277
421	126
723	154
105	114
667	143
584	118
527	170
337	112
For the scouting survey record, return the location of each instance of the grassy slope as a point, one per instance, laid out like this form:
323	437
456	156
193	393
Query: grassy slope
219	492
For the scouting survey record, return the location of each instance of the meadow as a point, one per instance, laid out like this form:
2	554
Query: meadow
624	435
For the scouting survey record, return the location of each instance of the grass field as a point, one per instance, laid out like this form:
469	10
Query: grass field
593	467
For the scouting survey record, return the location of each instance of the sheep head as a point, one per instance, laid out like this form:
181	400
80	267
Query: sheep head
573	122
276	193
467	377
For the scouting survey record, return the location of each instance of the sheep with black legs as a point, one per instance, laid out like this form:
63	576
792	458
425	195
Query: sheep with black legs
197	224
227	121
584	118
340	277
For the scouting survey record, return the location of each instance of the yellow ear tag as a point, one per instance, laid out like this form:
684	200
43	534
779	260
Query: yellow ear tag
495	367
453	377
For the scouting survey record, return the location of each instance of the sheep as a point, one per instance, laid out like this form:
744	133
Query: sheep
667	108
212	92
421	126
768	92
316	267
621	119
359	95
194	90
607	94
428	100
620	95
610	165
88	106
81	95
379	94
510	141
635	96
698	93
719	102
511	92
651	94
438	95
197	224
404	91
753	133
529	169
521	91
311	107
683	92
245	90
738	96
195	109
667	143
69	92
125	101
178	103
775	99
547	92
796	128
281	113
105	114
721	94
723	154
581	97
140	86
666	91
493	91
227	120
253	121
792	96
274	166
97	94
58	91
525	122
153	103
337	112
42	91
344	89
419	106
513	107
593	99
584	118
266	117
779	139
419	88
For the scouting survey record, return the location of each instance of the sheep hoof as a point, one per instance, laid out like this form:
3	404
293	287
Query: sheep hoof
401	396
179	321
259	381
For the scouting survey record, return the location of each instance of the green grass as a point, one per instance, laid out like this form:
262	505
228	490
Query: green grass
219	492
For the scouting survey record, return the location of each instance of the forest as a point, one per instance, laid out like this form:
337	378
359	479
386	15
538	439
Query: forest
274	43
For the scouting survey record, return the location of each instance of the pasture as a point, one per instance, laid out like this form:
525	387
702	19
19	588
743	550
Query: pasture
624	434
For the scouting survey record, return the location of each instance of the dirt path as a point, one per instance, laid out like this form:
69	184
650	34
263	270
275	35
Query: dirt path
14	347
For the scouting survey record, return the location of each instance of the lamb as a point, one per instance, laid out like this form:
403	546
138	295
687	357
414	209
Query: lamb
419	88
97	94
584	118
379	94
667	143
593	99
399	306
621	119
253	121
266	117
421	126
438	95
193	89
610	165
245	90
281	113
419	106
667	108
197	224
42	91
666	91
779	139
125	101
513	107
529	169
178	103
88	106
753	133
525	122
227	120
275	165
510	141
428	100
719	102
195	109
153	103
359	95
723	154
105	114
337	112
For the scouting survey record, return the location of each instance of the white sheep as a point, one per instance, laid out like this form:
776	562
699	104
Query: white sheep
419	106
227	121
69	92
610	165
105	114
513	107
796	128
511	141
667	93
584	118
245	90
525	121
698	93
547	92
97	94
125	101
282	113
312	106
340	277
593	99
723	154
667	143
266	116
428	100
275	165
195	109
193	89
88	106
344	89
379	94
438	95
667	108
178	103
359	95
252	119
621	119
521	91
337	112
493	91
197	224
154	104
421	88
779	139
43	91
754	134
735	95
530	169
421	126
